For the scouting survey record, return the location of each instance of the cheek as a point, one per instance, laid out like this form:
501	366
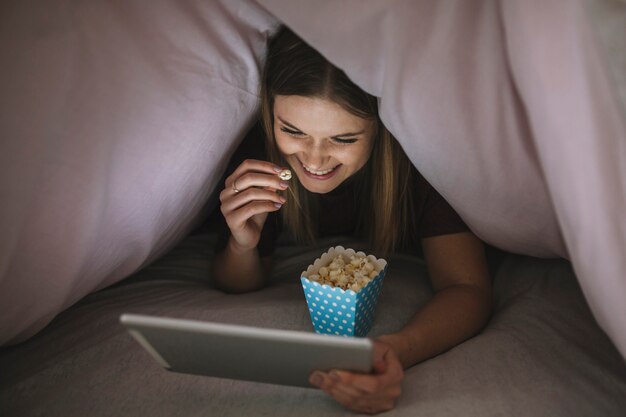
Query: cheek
357	157
287	146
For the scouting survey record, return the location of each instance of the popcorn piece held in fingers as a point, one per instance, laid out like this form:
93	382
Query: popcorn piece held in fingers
285	175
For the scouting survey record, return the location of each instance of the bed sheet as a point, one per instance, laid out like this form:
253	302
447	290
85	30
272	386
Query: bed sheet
542	354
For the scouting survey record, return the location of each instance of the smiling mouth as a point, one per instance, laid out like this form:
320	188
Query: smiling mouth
319	173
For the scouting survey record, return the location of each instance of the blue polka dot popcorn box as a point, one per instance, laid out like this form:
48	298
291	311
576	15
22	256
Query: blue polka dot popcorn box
337	311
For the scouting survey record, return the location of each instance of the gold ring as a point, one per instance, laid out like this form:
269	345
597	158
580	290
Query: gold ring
235	187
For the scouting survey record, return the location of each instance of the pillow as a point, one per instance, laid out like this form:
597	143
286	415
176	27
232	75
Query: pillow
510	110
117	120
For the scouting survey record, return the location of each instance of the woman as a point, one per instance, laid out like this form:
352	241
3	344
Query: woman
351	176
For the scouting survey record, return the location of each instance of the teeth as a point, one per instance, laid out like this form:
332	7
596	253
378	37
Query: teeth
312	171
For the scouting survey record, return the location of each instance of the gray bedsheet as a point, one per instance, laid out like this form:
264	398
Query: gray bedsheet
542	354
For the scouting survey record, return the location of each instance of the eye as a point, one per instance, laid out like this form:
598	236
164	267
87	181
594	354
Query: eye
344	141
290	132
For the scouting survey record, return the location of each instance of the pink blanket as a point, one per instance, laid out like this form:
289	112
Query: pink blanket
511	109
117	120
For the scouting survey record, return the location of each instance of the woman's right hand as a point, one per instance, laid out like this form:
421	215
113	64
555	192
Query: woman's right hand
250	193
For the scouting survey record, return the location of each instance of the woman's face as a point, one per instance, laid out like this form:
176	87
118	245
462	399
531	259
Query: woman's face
322	142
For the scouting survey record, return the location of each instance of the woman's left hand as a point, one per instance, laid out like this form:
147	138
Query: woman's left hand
365	393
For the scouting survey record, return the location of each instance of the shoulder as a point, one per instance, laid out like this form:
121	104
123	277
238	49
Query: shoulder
422	190
435	215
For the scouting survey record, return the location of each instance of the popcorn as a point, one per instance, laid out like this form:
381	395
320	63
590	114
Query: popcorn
341	289
285	174
354	275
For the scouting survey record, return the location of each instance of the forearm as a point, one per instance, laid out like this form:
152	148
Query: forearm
238	271
452	316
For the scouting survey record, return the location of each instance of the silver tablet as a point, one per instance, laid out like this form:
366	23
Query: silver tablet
250	353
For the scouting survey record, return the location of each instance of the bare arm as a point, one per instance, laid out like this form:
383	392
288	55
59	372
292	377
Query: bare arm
458	310
237	270
460	307
249	194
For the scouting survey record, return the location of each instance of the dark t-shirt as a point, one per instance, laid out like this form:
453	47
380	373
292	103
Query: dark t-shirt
433	214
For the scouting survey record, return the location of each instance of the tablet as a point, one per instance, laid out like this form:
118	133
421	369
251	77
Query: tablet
274	356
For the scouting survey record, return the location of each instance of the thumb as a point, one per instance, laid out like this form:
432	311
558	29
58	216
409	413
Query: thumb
380	367
380	359
259	219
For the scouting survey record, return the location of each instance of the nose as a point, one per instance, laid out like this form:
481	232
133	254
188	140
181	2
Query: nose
315	155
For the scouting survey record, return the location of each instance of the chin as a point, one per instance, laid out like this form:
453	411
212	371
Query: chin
319	189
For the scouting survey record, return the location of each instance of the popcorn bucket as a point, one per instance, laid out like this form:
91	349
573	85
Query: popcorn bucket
342	312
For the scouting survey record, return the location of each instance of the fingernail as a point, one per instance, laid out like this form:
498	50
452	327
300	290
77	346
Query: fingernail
278	205
277	168
316	379
284	184
282	199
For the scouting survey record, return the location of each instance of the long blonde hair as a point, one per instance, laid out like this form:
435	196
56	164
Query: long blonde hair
385	195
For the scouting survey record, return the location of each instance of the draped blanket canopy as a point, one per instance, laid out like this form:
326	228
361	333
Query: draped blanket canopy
118	119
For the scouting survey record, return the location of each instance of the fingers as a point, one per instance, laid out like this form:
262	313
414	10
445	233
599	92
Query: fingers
239	208
367	393
239	200
371	384
361	392
249	194
255	173
380	367
345	388
380	357
258	166
255	179
250	190
237	219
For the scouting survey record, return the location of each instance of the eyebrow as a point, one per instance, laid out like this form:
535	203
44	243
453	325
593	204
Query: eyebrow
335	136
